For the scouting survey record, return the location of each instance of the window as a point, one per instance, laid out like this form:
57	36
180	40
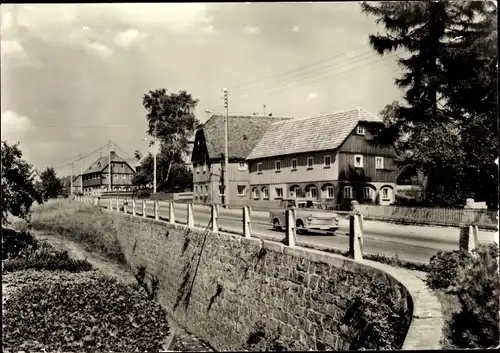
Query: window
328	161
196	189
361	130
221	190
379	162
204	168
206	190
385	194
124	177
329	192
358	161
130	176
367	193
278	166
105	176
313	192
296	191
348	192
241	190
255	193
279	193
265	193
259	167
294	164
242	166
197	169
310	162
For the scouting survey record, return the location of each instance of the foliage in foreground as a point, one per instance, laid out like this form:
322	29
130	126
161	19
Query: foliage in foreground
21	251
84	312
263	339
82	223
474	280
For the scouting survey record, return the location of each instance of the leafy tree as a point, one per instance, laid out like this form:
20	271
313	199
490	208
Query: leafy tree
138	155
449	73
51	186
172	121
18	187
179	178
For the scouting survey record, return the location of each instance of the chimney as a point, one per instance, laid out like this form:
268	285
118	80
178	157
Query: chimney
112	154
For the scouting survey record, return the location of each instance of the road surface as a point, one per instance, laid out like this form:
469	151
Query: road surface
413	243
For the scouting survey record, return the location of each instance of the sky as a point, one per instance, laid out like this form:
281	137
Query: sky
73	76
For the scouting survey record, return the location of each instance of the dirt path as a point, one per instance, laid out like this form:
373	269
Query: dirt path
179	339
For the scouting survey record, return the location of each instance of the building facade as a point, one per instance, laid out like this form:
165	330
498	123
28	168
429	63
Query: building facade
207	158
97	179
332	158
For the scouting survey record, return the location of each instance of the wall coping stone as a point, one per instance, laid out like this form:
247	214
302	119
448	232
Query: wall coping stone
427	321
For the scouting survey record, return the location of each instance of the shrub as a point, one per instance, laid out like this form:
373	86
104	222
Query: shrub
477	288
443	268
397	262
17	244
377	318
46	258
85	312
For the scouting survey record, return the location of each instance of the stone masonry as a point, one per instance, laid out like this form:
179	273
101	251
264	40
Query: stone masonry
219	286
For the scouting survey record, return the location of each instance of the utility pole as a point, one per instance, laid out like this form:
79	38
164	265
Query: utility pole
154	162
109	182
226	154
81	174
71	180
264	106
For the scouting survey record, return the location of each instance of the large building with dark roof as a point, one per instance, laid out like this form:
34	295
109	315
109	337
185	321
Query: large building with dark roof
96	177
244	132
332	158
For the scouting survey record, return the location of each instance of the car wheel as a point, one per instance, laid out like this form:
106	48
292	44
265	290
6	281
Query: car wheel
276	225
300	228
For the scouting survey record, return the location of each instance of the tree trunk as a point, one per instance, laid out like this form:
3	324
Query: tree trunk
169	166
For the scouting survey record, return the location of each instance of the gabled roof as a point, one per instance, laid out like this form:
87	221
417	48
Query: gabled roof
325	132
102	162
243	133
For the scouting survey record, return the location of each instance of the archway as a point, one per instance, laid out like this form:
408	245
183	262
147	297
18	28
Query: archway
295	191
311	191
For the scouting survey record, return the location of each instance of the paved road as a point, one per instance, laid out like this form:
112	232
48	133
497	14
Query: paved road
414	243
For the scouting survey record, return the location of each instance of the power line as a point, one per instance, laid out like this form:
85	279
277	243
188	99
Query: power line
361	57
85	156
299	68
329	76
128	154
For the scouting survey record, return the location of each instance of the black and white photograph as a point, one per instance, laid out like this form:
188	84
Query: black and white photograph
249	176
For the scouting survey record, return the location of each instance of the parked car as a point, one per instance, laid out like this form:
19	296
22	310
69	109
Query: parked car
310	216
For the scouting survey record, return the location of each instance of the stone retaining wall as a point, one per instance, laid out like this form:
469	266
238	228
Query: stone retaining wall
219	286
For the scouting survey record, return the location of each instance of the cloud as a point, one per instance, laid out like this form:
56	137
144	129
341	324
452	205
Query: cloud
7	23
99	48
15	126
209	29
251	30
127	38
175	17
11	47
295	29
312	96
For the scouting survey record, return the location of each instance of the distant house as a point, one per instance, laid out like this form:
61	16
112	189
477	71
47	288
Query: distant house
331	158
35	176
96	178
77	184
207	158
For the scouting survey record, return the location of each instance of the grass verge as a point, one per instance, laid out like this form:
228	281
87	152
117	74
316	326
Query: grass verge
82	223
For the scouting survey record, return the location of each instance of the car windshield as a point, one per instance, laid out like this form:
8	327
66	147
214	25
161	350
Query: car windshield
310	205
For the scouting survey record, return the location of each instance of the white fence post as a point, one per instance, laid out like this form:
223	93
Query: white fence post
171	212
291	235
133	207
156	210
190	218
96	201
355	237
125	202
144	213
247	229
215	215
110	204
117	205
